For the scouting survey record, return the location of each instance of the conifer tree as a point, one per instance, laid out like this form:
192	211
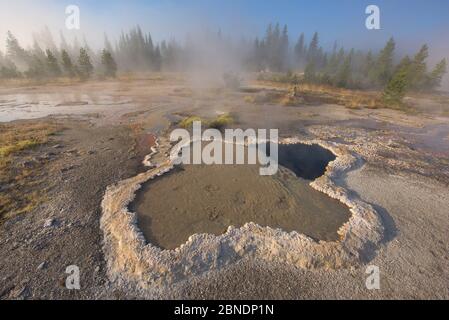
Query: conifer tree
108	63
313	49
436	76
405	64
344	74
107	44
52	64
300	50
368	64
8	69
67	65
310	73
85	65
396	88
15	52
384	64
37	67
283	49
418	69
157	59
64	45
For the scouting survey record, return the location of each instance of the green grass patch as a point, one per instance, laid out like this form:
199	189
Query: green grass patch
220	122
187	123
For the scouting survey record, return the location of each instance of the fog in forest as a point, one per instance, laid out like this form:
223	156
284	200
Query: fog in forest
190	42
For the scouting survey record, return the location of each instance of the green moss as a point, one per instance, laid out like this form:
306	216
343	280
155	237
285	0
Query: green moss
222	121
187	123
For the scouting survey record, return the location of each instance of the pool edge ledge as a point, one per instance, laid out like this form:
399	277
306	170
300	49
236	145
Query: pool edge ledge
133	263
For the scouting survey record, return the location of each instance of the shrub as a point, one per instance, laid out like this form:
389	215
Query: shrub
187	123
222	121
249	99
395	90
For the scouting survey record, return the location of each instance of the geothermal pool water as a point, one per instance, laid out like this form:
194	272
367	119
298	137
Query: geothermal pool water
197	199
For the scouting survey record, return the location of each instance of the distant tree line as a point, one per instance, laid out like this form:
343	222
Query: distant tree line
356	69
136	51
37	63
345	68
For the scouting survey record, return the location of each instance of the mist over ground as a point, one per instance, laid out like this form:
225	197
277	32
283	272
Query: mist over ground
192	25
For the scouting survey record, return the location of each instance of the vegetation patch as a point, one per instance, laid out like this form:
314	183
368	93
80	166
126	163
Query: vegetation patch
220	122
187	123
21	173
250	99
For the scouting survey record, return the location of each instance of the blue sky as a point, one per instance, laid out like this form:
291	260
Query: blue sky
343	20
411	22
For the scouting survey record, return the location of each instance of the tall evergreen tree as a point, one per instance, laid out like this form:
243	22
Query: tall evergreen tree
310	75
418	69
312	53
8	69
85	65
76	47
64	45
436	76
334	64
45	39
37	51
15	52
300	50
368	64
394	92
157	59
108	63
67	65
344	74
405	64
384	64
107	44
37	62
52	64
283	49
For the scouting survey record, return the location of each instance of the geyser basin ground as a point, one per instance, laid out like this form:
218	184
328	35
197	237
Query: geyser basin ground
199	199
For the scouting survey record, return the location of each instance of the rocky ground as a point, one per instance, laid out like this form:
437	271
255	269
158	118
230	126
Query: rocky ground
413	260
37	247
403	175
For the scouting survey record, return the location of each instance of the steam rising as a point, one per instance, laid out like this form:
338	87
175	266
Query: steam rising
209	54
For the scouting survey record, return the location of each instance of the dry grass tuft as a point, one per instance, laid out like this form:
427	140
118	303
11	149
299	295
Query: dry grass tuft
187	123
312	93
19	171
289	101
250	99
220	122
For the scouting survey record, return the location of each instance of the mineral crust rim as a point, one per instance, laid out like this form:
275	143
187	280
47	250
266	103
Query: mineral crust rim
134	263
